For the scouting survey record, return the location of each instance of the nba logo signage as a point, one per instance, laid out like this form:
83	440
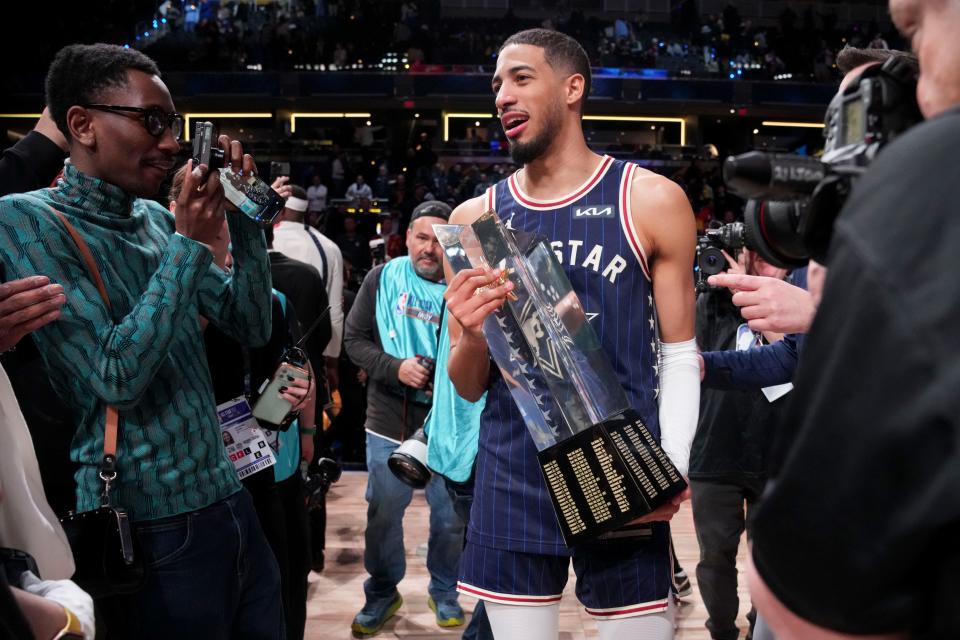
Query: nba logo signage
401	307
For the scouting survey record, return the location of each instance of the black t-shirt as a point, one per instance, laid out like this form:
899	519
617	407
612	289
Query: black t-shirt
228	369
860	529
30	164
303	286
736	427
356	249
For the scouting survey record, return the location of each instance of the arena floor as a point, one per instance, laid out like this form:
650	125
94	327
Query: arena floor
337	594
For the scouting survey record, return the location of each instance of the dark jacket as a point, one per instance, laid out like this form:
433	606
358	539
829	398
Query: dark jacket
858	528
735	428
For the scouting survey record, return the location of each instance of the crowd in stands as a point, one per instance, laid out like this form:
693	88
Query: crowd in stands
417	36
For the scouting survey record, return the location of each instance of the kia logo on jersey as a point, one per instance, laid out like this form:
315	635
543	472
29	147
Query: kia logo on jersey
596	211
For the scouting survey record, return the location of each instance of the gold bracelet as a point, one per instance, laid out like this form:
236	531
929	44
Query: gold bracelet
73	630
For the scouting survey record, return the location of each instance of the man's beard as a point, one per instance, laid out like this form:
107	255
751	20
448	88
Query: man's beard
526	152
433	273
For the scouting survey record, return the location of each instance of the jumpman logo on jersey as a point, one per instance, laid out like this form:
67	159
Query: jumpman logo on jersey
509	223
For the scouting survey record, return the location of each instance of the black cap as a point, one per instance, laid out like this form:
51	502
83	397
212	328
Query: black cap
433	209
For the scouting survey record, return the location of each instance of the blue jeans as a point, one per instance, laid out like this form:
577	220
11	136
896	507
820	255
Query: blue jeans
384	556
210	575
461	493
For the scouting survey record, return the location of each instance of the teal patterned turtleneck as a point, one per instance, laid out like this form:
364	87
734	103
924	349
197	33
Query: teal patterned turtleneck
146	356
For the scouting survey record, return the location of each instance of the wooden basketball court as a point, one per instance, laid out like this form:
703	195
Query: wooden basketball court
337	594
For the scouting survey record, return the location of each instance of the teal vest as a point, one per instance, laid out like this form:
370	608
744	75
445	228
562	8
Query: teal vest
453	424
408	314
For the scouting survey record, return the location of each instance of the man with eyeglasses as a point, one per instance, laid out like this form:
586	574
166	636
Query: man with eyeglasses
210	571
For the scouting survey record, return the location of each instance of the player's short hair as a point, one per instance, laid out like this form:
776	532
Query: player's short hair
561	52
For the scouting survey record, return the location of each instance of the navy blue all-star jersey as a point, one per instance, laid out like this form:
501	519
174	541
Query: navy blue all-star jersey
592	232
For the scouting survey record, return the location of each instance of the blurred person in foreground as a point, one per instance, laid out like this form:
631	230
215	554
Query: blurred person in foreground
856	534
43	604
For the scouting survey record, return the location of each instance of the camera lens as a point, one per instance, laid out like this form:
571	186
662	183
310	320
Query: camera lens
771	229
711	261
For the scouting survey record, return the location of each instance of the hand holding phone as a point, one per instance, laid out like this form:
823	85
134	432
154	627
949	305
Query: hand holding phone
200	205
272	406
238	175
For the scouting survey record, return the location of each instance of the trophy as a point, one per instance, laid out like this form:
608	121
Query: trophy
600	464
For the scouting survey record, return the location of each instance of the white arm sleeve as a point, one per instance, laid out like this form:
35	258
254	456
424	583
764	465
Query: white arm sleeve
679	400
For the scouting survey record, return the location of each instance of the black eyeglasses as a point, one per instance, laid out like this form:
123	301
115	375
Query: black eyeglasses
155	119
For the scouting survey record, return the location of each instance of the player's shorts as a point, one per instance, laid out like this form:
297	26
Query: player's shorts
615	578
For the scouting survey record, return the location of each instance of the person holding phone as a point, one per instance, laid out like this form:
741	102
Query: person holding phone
143	354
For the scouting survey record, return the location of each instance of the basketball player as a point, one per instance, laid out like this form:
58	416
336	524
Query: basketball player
625	238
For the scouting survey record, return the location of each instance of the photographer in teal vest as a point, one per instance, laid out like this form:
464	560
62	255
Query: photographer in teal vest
391	332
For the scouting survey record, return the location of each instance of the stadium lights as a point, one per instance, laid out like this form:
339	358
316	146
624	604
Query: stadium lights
680	121
797	125
447	116
324	114
187	117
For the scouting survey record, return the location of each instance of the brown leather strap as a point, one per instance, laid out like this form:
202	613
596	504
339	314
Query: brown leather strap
110	430
87	258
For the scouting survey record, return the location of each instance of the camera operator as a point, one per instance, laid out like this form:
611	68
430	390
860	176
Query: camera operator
773	304
395	319
728	461
857	531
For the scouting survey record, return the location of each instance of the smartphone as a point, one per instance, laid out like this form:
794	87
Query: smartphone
205	150
248	193
270	407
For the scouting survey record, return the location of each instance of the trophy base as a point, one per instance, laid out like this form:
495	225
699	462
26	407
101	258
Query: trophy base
607	475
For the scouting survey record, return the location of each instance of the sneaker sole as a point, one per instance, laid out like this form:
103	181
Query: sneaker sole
446	622
360	631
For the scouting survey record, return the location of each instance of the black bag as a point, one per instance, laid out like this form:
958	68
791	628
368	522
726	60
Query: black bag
105	549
